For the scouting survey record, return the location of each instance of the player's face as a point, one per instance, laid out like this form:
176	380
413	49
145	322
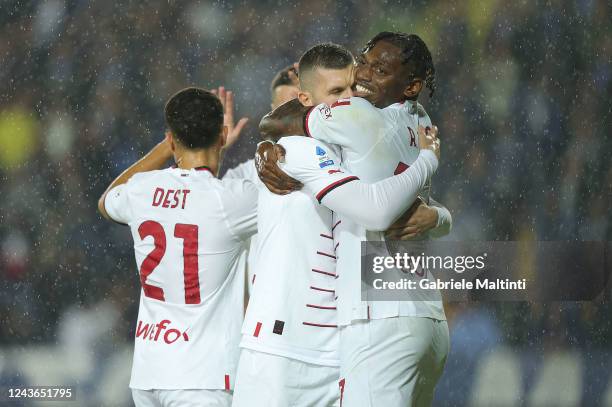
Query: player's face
380	75
283	94
329	85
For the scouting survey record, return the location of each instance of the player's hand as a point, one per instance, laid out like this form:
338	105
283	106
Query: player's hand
428	139
266	161
233	129
415	222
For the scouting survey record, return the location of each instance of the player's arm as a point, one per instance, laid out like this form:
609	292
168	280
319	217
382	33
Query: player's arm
350	123
433	219
375	206
353	124
444	221
153	160
267	157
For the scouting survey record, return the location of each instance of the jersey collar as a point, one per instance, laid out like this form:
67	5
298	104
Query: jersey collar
200	168
204	168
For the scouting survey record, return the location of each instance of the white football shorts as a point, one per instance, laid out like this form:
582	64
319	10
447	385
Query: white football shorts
392	362
266	380
183	398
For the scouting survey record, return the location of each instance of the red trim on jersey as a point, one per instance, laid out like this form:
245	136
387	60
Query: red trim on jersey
320	325
337	223
333	186
327	290
337	244
325	254
341	102
327	236
320	307
227	382
257	329
341	384
324	272
401	167
203	168
306	116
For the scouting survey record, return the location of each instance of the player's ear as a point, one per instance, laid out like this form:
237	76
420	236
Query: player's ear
413	89
305	98
170	140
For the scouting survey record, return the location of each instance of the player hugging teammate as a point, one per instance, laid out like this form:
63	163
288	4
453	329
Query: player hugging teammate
358	152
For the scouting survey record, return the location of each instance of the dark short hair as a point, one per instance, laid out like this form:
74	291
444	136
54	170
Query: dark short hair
415	55
327	55
195	117
282	78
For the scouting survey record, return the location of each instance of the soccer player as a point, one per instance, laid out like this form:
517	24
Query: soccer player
189	229
289	339
283	88
392	353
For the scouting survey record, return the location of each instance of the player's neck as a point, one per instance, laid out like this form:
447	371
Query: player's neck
202	158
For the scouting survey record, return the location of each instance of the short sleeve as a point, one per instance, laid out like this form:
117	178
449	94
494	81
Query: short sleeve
239	199
352	123
315	164
117	205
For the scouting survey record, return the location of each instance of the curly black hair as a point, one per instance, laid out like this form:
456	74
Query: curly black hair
415	55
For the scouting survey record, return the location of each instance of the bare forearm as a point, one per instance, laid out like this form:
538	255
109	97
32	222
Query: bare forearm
287	119
153	160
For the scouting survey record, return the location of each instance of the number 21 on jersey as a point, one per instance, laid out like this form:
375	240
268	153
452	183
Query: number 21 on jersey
189	235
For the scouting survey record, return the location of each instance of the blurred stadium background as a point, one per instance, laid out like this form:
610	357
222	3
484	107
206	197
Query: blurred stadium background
523	104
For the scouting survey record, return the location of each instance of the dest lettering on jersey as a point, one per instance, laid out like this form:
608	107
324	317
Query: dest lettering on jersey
162	197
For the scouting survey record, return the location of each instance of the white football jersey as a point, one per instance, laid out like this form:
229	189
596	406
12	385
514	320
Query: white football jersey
247	170
189	230
376	144
292	309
